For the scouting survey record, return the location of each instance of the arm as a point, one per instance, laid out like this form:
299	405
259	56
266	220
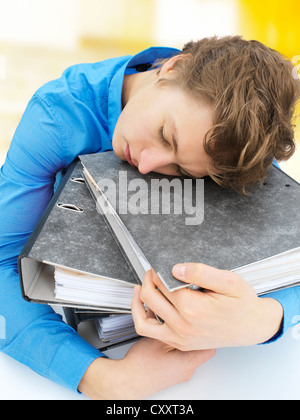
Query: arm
227	313
35	335
149	367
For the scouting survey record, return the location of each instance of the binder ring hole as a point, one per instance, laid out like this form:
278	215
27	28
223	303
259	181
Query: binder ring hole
78	180
70	207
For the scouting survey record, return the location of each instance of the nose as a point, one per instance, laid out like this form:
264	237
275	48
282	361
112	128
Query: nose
152	160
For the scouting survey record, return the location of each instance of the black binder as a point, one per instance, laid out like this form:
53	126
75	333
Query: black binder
84	323
70	234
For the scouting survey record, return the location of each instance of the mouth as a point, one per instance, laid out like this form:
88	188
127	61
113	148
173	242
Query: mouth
128	155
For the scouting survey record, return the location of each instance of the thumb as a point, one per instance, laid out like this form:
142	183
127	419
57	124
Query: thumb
207	277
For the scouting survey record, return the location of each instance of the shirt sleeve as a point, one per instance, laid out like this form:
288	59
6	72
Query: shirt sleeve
34	334
290	301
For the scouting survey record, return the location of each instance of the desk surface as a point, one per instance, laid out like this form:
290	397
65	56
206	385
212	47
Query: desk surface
260	372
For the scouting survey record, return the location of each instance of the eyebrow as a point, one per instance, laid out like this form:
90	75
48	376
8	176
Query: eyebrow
175	146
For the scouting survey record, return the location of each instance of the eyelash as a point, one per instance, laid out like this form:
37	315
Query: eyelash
164	141
178	170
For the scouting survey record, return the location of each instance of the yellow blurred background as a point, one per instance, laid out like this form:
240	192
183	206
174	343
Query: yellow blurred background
40	38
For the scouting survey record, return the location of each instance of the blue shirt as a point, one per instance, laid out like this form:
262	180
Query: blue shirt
75	114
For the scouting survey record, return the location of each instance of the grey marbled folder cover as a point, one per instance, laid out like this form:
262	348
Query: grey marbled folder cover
235	231
79	240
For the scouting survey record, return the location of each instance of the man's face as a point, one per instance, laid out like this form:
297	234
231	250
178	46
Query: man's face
162	129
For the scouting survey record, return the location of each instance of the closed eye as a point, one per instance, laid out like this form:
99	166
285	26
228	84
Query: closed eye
163	140
162	137
179	171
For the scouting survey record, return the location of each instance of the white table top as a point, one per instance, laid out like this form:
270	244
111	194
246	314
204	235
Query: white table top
260	372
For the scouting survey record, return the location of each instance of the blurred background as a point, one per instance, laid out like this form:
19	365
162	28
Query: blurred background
40	38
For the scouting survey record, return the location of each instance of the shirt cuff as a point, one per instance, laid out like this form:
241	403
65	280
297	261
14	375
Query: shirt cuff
71	362
290	301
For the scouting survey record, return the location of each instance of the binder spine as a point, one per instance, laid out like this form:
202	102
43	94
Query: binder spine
33	237
129	263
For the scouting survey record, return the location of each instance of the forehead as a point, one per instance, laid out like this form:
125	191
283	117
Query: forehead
184	109
191	120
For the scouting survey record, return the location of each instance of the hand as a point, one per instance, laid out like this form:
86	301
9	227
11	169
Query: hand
148	367
227	313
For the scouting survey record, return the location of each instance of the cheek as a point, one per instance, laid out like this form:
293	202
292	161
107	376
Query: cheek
137	123
138	133
116	140
119	140
170	170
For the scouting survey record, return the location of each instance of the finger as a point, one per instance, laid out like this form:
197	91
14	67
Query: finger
179	298
148	327
202	356
150	314
174	297
138	311
157	302
191	360
210	278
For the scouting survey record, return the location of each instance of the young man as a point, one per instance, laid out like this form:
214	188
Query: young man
168	119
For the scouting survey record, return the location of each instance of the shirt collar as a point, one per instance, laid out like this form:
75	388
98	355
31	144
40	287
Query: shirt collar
128	65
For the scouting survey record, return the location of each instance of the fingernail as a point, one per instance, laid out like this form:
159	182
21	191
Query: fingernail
179	271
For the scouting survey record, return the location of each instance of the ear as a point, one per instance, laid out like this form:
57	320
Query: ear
169	66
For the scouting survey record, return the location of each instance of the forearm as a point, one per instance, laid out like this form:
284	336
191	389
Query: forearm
148	367
37	337
95	383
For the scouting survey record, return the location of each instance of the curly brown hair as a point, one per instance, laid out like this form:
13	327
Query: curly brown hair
253	94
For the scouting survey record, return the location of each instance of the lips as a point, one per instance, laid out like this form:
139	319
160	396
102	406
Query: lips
128	155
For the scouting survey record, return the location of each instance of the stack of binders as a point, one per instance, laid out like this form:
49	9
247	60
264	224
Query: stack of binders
104	228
